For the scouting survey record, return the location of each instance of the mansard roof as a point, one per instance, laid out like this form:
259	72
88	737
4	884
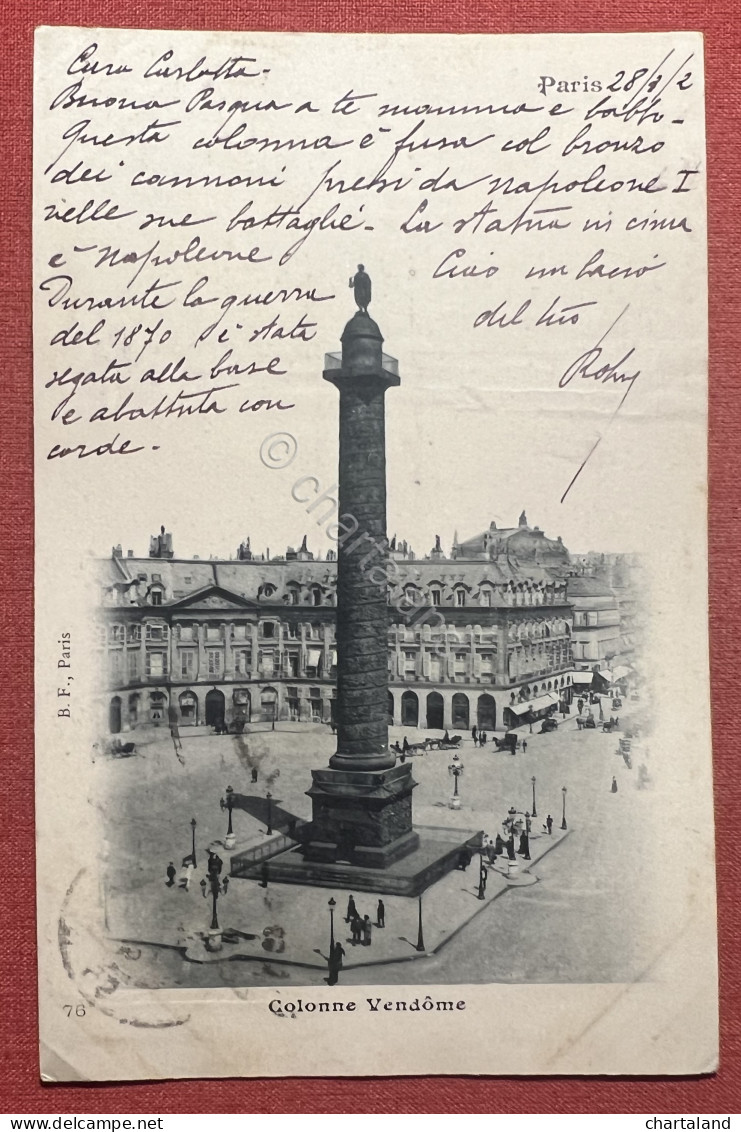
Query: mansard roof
186	581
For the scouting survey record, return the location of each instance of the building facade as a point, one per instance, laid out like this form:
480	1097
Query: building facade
482	636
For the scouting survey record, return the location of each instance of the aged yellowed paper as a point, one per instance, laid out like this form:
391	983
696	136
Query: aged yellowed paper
372	710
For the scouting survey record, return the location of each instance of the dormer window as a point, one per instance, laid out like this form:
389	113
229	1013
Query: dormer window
460	597
266	590
155	596
436	597
486	598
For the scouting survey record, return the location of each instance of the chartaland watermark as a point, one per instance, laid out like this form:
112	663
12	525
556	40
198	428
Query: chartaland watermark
278	452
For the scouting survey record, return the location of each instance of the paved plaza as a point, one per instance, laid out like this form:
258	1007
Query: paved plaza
580	921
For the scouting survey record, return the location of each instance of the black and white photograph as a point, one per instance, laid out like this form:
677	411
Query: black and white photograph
372	678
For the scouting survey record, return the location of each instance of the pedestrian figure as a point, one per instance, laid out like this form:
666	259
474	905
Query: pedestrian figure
381	914
510	846
171	874
254	774
614	785
405	745
264	875
483	876
339	954
474	733
524	746
367	929
499	845
215	864
186	872
351	910
522	847
403	757
333	964
356	929
446	737
549	824
464	859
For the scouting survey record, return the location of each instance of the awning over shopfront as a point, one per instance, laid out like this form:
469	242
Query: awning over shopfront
582	679
518	709
620	672
542	702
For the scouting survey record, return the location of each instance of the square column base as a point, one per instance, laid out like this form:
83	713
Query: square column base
361	818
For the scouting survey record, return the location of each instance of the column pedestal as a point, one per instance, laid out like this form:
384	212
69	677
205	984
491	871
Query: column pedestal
361	818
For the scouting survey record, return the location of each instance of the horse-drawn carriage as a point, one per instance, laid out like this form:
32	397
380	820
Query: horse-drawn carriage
509	742
447	743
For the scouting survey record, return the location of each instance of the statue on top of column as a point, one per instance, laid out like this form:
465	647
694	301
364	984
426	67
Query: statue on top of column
361	286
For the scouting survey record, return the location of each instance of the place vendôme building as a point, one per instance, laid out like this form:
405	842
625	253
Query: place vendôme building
494	633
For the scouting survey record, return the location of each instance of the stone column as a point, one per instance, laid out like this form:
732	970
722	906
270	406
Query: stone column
362	803
362	602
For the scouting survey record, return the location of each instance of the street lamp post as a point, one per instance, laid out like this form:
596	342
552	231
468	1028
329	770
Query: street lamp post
535	812
275	712
455	770
332	904
193	824
482	877
269	797
420	938
230	838
217	887
563	819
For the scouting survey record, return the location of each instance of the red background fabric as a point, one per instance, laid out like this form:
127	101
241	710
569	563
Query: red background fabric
21	1091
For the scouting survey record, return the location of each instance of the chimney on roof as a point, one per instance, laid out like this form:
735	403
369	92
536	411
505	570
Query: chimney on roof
116	551
129	554
160	546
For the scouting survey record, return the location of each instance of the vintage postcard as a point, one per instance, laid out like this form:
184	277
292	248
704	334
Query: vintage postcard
372	710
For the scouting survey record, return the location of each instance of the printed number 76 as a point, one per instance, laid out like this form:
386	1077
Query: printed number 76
79	1010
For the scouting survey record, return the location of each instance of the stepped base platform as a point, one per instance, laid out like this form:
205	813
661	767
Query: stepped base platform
436	855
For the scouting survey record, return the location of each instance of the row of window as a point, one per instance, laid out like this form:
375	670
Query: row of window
269	664
132	633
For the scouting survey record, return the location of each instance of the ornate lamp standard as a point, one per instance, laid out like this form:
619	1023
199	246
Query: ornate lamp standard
455	770
483	873
535	812
420	938
563	819
230	838
269	797
193	824
217	886
331	904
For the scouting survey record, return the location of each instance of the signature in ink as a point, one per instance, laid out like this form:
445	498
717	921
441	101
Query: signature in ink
590	365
